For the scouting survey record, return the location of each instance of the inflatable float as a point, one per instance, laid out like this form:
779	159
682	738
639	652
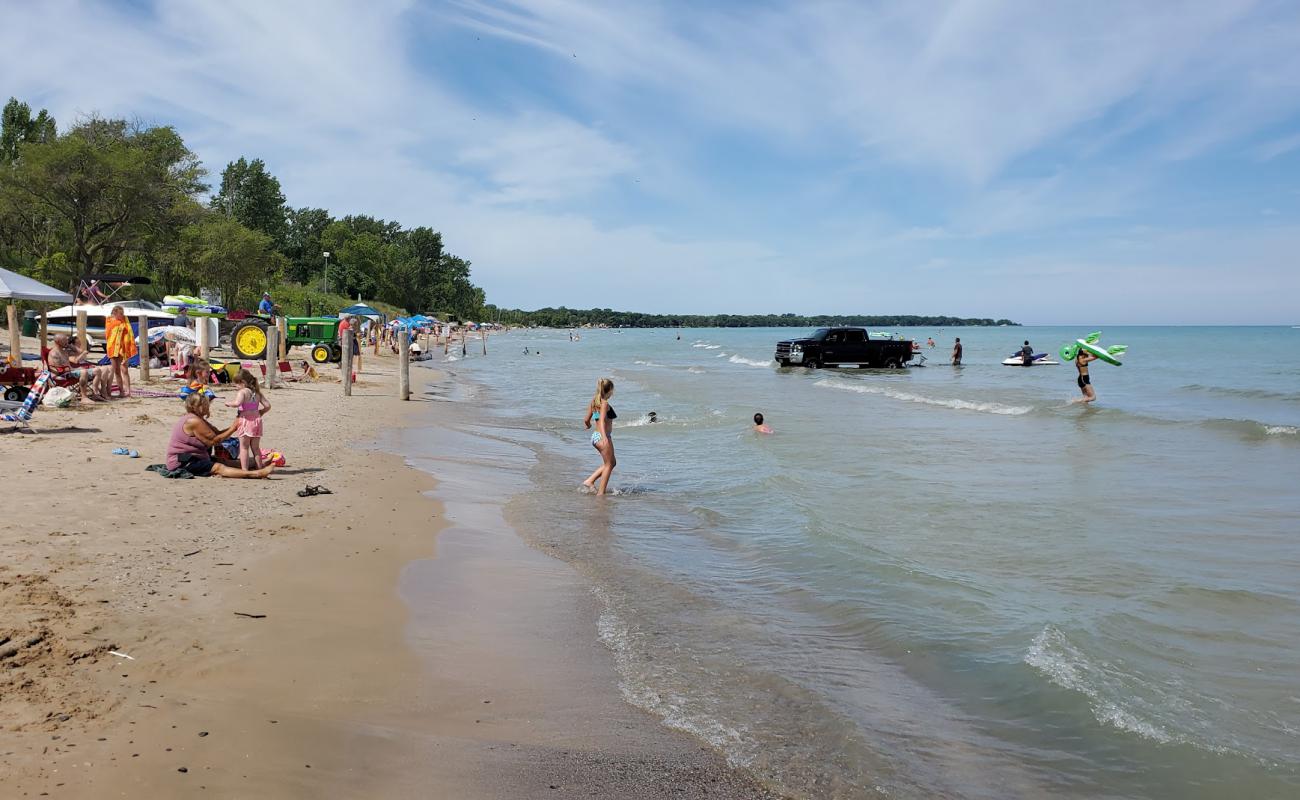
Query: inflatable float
1089	345
194	305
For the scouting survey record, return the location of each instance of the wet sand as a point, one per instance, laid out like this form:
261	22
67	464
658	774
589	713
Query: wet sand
486	681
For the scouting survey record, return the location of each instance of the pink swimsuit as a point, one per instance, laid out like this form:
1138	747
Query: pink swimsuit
250	420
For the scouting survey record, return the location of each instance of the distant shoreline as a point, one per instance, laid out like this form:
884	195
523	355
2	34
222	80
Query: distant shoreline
572	318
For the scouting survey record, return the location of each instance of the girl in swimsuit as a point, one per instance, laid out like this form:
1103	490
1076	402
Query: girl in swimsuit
602	414
248	422
1085	382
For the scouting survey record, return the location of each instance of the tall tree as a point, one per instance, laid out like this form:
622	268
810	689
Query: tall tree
219	252
302	245
103	190
251	195
18	126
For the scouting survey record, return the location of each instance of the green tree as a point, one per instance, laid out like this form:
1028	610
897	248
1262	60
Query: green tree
251	195
220	253
18	126
103	190
302	244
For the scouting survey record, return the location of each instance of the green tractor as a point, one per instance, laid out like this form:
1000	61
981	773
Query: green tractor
321	334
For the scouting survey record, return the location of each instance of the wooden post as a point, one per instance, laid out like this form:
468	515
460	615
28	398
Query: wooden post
142	344
377	332
82	341
404	364
483	333
15	337
446	339
347	362
201	337
272	351
282	328
45	332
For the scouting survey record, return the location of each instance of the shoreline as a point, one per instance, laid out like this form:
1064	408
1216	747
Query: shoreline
330	691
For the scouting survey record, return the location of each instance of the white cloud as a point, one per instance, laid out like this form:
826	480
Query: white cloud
542	157
679	157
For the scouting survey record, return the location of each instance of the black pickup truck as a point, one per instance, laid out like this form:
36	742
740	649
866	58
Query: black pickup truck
837	347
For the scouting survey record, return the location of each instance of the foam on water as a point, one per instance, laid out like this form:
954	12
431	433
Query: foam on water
749	362
1281	430
1052	654
954	403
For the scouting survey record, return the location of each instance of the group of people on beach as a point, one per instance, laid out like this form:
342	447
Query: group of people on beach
599	419
199	447
95	382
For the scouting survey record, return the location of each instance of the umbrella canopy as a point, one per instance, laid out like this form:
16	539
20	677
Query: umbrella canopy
20	287
172	333
361	310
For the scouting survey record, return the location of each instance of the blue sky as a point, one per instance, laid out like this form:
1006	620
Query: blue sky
1092	163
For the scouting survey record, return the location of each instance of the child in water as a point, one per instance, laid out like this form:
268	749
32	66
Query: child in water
248	426
759	427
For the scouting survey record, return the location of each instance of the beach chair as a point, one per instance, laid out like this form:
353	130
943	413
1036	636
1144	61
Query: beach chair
284	372
37	393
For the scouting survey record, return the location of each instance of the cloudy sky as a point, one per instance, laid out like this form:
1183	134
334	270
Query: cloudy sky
1045	161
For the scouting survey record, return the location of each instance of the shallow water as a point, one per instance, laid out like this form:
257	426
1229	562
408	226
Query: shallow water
938	581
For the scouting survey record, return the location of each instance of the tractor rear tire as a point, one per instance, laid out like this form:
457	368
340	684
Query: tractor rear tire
336	353
320	353
248	339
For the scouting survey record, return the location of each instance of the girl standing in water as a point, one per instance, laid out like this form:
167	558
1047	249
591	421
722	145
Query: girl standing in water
602	414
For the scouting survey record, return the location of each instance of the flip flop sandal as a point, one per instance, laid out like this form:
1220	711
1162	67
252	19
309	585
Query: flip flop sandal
321	490
308	491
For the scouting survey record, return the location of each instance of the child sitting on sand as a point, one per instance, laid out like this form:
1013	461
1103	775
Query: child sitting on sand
252	406
198	374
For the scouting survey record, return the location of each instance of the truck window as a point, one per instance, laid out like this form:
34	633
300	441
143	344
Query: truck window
834	337
854	337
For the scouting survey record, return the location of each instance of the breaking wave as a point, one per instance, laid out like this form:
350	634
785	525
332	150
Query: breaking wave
958	404
749	362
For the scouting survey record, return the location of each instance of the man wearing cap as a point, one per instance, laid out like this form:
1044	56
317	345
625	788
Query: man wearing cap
265	307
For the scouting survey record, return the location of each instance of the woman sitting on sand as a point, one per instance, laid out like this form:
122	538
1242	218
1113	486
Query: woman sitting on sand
602	413
192	440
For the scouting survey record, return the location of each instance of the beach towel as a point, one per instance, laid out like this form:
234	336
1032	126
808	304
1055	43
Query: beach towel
162	470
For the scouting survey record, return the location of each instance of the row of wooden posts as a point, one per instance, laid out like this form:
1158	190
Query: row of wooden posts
276	351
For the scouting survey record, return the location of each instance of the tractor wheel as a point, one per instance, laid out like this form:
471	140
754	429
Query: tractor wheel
336	352
248	339
320	353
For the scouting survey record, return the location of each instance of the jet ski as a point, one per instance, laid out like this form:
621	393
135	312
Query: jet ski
1040	360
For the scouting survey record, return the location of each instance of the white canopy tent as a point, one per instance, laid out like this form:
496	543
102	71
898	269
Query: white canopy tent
20	287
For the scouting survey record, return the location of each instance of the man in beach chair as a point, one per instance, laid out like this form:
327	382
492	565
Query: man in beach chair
63	361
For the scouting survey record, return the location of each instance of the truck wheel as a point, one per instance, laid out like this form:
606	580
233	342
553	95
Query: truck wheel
812	362
894	363
15	394
320	353
248	339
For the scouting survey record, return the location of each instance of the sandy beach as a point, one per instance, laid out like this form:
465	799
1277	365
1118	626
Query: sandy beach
168	638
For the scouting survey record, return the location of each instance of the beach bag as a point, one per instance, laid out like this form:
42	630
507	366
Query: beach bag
57	397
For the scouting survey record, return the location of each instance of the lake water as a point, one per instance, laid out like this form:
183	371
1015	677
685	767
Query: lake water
935	581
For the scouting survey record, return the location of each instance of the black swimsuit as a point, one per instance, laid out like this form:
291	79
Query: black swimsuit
1084	380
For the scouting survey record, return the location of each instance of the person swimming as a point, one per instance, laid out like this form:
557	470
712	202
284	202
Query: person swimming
600	412
653	417
759	426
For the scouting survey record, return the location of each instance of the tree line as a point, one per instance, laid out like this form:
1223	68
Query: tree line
113	195
569	317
